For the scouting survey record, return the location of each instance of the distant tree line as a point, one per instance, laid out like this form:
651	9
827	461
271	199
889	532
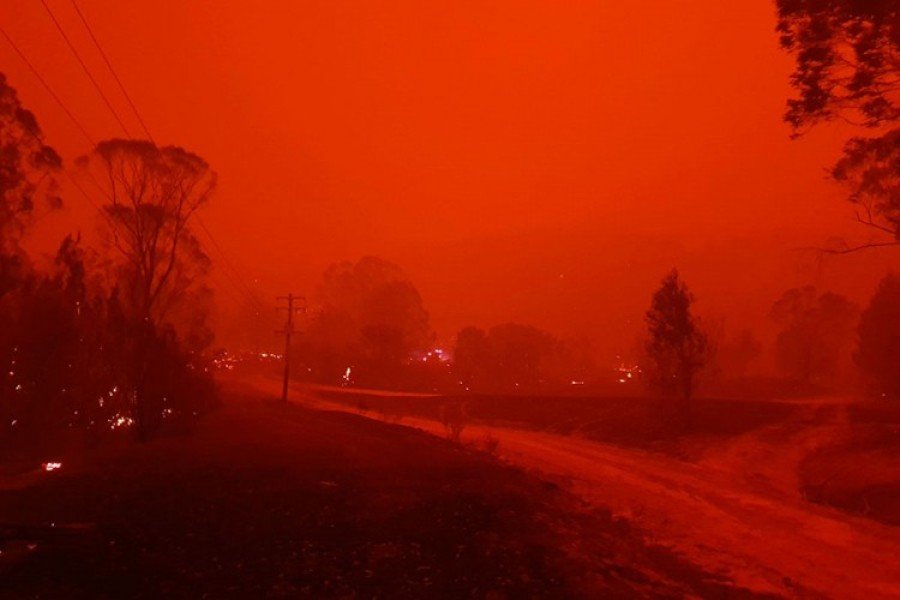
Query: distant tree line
821	337
365	324
516	357
368	327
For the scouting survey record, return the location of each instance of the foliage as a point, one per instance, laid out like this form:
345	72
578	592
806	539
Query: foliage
471	357
27	170
816	331
84	349
370	318
68	353
878	355
27	182
870	168
516	357
848	55
848	68
677	347
153	192
159	264
572	359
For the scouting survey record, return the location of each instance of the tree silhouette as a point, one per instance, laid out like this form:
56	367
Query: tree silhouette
816	331
517	357
369	317
153	192
848	68
677	347
870	168
518	353
879	338
27	180
471	357
27	166
848	57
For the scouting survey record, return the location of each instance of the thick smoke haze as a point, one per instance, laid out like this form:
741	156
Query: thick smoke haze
410	299
539	163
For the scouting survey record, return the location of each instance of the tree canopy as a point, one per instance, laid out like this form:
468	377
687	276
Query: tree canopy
27	168
879	338
848	68
848	58
816	332
152	194
369	317
677	346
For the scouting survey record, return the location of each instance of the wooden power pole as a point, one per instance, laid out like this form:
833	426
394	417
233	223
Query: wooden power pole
288	331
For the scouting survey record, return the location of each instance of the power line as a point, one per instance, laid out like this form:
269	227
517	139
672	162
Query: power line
112	70
231	272
229	265
49	89
93	179
84	67
234	279
90	200
233	276
242	288
247	289
69	114
288	331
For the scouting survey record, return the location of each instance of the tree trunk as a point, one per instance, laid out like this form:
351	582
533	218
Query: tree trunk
141	361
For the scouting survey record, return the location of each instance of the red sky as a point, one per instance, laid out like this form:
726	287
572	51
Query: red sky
537	161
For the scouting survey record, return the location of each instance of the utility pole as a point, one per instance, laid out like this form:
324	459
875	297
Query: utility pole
287	332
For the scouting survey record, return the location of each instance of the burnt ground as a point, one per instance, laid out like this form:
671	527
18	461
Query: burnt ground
271	501
770	492
859	470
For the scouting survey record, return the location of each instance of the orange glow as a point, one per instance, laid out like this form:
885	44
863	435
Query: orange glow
504	298
520	161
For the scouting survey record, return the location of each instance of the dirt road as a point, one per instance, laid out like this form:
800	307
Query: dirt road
736	511
760	537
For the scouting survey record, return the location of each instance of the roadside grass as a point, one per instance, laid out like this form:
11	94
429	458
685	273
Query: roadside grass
860	472
642	422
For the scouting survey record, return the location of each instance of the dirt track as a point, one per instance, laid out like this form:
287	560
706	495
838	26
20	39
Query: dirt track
762	539
737	512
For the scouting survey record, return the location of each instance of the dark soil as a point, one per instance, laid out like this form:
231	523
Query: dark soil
271	501
860	474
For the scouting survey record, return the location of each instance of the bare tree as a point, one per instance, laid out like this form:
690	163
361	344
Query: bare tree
153	192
